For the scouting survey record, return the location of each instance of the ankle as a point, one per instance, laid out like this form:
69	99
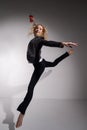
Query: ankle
71	52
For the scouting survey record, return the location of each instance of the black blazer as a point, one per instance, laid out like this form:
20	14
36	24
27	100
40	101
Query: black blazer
35	45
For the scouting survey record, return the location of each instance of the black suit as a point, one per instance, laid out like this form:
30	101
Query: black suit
39	67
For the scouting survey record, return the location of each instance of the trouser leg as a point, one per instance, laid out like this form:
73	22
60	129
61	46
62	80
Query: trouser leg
35	77
56	61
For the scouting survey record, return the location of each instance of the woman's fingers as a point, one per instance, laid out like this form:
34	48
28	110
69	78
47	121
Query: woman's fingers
72	43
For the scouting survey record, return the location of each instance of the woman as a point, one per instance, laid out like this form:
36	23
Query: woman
39	64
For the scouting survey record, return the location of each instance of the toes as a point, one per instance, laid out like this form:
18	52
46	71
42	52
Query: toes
18	124
20	120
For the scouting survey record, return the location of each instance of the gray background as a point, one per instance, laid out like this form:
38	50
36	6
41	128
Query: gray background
65	21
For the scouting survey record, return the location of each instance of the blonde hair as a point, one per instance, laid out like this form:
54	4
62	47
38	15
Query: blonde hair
45	33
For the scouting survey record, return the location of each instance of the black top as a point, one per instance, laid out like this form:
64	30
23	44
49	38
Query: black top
35	45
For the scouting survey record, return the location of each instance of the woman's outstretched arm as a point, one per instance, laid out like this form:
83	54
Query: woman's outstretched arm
58	44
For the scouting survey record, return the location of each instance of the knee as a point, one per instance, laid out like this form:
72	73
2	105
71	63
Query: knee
55	63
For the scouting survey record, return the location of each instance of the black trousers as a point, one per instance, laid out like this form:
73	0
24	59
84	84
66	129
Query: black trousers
38	70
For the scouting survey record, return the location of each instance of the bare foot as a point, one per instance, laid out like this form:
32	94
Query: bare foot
20	120
71	52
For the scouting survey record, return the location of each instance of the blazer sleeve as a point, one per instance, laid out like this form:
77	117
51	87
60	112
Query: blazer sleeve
52	43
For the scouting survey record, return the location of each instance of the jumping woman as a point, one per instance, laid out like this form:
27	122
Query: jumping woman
39	64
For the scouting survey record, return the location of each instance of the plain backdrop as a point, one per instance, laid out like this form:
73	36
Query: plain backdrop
65	21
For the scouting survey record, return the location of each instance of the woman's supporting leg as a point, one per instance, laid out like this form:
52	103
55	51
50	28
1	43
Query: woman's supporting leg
34	79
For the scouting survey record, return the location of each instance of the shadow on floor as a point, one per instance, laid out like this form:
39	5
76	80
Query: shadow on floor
9	116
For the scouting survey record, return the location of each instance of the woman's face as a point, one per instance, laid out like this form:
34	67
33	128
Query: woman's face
38	31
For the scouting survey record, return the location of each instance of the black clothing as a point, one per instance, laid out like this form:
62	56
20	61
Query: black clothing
35	45
39	68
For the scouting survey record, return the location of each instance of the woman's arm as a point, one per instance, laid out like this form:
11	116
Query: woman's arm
52	43
58	44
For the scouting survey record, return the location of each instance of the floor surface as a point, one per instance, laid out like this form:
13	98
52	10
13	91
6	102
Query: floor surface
45	114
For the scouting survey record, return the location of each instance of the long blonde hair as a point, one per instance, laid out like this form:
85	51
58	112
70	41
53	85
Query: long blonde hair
44	30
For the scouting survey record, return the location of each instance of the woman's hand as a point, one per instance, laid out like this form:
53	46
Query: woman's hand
70	44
